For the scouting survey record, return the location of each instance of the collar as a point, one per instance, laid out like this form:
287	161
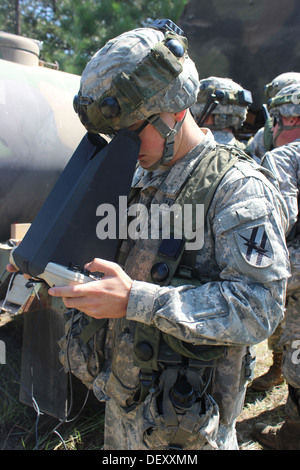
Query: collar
169	179
224	137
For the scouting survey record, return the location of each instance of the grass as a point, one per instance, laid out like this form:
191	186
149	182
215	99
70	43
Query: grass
22	428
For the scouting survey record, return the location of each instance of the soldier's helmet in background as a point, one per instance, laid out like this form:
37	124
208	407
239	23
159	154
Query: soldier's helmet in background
233	102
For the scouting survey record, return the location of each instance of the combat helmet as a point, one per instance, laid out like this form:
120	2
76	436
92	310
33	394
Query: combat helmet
281	81
136	76
223	98
285	103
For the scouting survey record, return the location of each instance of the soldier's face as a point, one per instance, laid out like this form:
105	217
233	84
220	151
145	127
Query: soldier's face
284	136
153	143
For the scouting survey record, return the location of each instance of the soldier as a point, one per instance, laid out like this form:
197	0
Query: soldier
284	161
262	141
222	106
273	377
181	317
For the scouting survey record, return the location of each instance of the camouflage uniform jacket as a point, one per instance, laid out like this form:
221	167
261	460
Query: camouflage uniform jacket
245	261
256	146
284	161
227	138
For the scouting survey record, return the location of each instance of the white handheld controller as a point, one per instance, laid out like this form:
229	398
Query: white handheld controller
56	275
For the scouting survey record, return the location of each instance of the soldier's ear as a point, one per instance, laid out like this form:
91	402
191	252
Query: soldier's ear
180	115
294	120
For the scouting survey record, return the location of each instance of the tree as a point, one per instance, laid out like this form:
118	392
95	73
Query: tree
73	30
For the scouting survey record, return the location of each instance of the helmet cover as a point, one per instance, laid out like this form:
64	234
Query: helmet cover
138	74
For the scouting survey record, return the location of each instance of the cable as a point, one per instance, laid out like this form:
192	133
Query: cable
34	402
7	292
4	272
30	393
66	420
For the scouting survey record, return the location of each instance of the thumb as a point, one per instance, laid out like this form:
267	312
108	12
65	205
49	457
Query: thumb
102	265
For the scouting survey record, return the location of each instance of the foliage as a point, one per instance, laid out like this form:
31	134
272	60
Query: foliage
73	30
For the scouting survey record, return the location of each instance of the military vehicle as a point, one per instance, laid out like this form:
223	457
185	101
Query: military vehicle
39	129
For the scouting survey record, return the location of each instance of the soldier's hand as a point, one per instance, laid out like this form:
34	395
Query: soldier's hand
104	298
11	268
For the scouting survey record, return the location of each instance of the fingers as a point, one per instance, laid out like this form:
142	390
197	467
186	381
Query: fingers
70	291
92	308
11	268
104	298
87	305
77	297
80	303
107	267
90	300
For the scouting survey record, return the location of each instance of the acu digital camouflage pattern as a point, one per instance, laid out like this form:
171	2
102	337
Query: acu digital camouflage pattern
281	81
229	112
142	74
286	102
256	145
237	301
227	138
285	162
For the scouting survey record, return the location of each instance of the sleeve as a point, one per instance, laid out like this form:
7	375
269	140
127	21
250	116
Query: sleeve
294	280
283	164
246	304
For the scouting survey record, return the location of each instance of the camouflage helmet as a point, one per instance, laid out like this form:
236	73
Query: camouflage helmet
281	81
286	102
232	102
136	75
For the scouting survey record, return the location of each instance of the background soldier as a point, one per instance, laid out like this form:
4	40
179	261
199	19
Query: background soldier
262	141
284	161
222	106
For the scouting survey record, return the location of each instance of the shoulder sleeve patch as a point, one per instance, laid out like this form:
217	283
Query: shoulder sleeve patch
254	246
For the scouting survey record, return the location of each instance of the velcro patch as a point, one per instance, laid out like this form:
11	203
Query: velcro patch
255	247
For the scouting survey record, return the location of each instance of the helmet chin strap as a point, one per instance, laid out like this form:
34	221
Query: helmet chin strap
169	135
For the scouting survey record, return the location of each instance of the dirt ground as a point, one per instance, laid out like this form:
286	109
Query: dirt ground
268	407
18	421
